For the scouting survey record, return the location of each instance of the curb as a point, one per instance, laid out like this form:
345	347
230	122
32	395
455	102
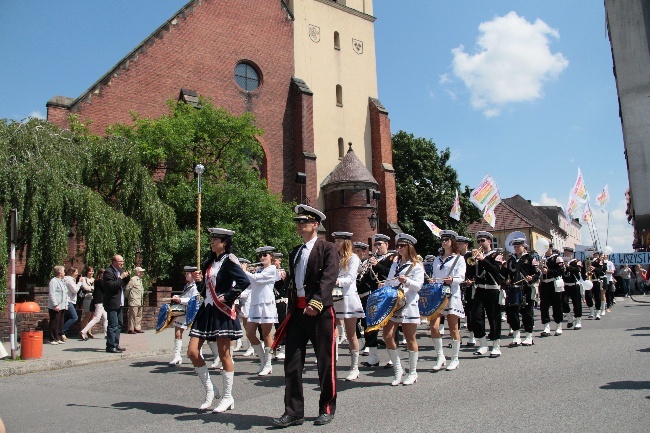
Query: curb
35	367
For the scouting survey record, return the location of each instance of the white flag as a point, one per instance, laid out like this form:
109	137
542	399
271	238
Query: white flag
455	208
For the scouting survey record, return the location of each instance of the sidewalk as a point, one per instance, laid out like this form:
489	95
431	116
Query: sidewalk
77	352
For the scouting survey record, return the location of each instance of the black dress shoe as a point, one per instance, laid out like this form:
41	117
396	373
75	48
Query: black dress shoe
324	418
369	365
119	348
113	350
388	365
287	420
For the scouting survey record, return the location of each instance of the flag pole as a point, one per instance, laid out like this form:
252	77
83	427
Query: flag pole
609	206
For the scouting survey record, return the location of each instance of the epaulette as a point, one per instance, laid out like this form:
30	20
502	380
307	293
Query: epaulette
316	304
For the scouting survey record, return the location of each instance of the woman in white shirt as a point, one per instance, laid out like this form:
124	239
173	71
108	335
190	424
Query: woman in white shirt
406	272
262	311
349	308
71	316
449	269
57	304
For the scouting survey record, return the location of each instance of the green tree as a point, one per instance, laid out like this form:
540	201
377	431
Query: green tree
233	195
426	187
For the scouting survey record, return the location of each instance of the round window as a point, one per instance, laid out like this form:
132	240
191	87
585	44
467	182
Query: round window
247	77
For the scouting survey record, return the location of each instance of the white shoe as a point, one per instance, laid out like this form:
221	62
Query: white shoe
471	341
496	349
547	330
441	360
413	369
204	375
178	360
54	342
279	353
354	365
398	372
259	351
238	345
578	324
558	329
598	315
516	339
267	367
227	402
249	352
529	340
455	348
366	351
602	312
483	347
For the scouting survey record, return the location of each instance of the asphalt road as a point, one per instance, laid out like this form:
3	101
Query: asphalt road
595	380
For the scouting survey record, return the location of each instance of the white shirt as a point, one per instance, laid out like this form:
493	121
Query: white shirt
610	267
301	266
262	285
348	277
441	270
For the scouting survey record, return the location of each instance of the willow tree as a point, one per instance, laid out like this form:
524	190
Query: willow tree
65	182
426	187
234	195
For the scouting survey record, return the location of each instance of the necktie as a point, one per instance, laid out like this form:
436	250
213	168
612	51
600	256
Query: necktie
298	256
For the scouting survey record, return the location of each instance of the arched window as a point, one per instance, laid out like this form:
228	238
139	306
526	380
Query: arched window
337	41
341	148
339	95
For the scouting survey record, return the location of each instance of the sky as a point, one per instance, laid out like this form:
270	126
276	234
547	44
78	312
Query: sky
520	90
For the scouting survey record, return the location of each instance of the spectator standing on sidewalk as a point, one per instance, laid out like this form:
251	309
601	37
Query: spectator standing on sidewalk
97	308
73	286
641	276
115	278
626	273
133	293
87	289
57	303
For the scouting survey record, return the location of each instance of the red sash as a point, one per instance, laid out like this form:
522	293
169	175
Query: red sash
225	309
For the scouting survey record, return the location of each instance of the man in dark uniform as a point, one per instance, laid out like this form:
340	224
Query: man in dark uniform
552	271
380	263
597	275
467	287
486	297
520	273
313	270
571	277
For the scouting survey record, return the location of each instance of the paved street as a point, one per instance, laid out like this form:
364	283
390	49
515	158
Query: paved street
595	380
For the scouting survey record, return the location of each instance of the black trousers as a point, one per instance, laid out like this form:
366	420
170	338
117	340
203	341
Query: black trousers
56	324
572	293
595	292
526	312
548	298
318	329
371	337
486	302
467	299
609	293
282	314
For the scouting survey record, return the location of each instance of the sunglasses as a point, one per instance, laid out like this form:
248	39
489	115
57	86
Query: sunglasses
483	240
263	254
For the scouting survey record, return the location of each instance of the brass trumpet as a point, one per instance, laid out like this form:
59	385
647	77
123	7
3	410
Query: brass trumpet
475	253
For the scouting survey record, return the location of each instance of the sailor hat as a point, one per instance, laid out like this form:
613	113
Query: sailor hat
448	234
342	235
403	237
568	249
217	232
277	255
266	249
462	239
190	269
518	241
380	237
429	258
559	260
307	213
486	235
361	245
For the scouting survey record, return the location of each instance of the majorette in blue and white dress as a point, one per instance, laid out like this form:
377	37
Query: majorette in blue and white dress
441	269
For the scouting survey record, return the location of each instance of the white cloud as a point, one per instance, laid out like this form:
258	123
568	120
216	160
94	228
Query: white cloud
444	78
545	200
452	95
37	115
511	64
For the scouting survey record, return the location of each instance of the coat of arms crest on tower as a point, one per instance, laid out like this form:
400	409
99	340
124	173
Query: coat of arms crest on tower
314	33
358	46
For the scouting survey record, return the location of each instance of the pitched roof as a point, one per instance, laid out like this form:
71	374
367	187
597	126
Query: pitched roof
349	171
516	213
554	212
533	214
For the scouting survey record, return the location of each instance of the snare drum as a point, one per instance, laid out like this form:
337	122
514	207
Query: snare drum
515	296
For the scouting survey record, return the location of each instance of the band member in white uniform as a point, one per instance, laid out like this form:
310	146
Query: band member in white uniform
349	309
243	305
449	269
361	250
406	272
262	310
189	291
220	285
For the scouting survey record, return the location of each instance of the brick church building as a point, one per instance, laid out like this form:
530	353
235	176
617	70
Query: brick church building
305	68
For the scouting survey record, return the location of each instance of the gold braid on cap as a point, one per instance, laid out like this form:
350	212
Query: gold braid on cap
316	304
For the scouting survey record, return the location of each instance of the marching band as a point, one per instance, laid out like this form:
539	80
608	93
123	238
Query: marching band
369	290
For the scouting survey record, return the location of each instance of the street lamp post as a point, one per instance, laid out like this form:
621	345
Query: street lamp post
199	169
373	219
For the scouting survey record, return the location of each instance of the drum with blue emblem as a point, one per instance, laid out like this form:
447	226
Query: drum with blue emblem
192	309
433	299
164	317
515	296
382	304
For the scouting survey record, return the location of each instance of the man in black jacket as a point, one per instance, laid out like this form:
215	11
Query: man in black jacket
115	279
313	269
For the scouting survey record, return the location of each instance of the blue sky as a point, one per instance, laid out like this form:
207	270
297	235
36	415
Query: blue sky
523	90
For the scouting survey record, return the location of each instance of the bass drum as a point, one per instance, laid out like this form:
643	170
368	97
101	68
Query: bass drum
192	310
164	317
433	299
382	304
515	296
